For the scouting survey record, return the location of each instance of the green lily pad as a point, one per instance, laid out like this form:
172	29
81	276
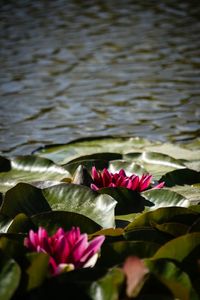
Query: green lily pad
37	269
10	274
189	192
24	198
175	279
63	153
51	221
180	247
30	169
128	201
164	215
108	287
147	234
19	224
164	198
181	177
27	199
115	253
173	228
156	163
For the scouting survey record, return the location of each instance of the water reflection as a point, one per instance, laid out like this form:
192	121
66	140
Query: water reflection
77	68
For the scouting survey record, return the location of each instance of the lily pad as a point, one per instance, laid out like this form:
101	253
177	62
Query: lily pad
10	274
63	153
165	197
175	279
30	169
180	247
51	221
164	215
27	199
108	287
115	253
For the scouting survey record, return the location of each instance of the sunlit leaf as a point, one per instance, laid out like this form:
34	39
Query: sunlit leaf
191	193
30	169
156	163
165	197
64	153
27	199
81	199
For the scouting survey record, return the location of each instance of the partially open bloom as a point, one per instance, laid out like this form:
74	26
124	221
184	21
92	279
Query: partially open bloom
105	178
68	250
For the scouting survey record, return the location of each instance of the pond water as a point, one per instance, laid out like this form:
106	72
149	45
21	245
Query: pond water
72	69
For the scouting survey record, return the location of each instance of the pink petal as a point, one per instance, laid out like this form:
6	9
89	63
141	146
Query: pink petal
122	173
145	182
129	184
97	177
106	176
94	246
135	183
95	174
159	186
61	250
94	187
80	247
33	238
135	272
53	266
119	180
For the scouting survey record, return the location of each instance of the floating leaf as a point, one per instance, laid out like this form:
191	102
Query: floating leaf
147	234
181	177
81	199
108	287
24	198
177	281
12	245
156	163
37	270
30	169
163	215
115	253
165	197
180	247
51	221
128	201
191	193
101	156
20	224
30	200
173	228
64	153
9	278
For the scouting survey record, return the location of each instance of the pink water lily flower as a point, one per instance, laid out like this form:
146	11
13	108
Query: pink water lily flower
68	250
105	178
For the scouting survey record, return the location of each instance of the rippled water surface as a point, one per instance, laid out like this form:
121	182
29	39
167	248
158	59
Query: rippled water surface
73	69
